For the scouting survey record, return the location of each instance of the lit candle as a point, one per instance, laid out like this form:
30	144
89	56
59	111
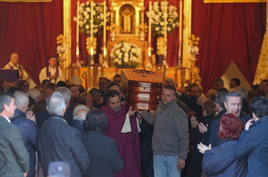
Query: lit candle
91	51
91	56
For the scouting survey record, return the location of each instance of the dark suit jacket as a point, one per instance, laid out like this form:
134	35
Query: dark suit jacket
103	154
58	141
222	162
146	148
14	158
215	127
28	131
254	144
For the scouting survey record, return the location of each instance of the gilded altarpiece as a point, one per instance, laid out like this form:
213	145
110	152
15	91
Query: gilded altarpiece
127	25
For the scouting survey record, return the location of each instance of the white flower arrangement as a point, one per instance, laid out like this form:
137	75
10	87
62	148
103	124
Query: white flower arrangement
157	17
125	55
84	17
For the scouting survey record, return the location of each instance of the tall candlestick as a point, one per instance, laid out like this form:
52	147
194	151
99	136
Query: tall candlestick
165	20
91	34
91	23
77	31
165	27
180	36
150	29
104	29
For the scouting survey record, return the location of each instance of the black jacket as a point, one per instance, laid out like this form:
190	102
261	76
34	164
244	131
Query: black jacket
222	162
215	127
28	131
103	154
58	141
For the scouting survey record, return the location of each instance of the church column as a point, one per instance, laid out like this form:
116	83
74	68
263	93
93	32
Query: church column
67	34
187	31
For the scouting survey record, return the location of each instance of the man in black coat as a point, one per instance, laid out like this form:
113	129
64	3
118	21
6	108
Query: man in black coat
102	150
58	141
27	128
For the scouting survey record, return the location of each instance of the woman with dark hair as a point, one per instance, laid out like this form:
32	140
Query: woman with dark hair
221	160
102	150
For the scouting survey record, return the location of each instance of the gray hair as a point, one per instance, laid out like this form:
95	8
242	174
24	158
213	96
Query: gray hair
5	99
66	93
21	99
233	94
34	93
221	96
56	104
80	115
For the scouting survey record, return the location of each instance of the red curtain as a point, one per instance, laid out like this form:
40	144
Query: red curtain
30	29
173	42
228	32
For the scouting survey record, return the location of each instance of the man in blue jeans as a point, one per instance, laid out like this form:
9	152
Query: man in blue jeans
170	138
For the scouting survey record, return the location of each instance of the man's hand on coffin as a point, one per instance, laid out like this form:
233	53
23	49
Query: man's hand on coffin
131	111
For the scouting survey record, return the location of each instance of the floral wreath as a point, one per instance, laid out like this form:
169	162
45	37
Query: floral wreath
125	55
84	17
157	16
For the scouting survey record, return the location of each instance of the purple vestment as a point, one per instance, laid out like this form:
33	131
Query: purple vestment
127	143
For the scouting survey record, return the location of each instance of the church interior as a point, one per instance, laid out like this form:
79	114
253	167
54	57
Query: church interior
134	88
188	41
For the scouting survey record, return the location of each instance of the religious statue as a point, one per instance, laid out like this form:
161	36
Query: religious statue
127	16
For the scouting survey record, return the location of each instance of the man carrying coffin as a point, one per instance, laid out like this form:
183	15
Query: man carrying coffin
122	127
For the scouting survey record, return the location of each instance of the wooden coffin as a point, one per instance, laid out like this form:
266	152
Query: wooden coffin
144	88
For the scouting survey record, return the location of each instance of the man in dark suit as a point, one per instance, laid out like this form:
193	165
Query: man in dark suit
233	105
27	128
14	159
58	141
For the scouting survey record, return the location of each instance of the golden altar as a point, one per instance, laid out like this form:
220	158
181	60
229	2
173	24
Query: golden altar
128	24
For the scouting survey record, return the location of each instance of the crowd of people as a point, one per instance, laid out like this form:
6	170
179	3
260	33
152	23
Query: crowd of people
59	128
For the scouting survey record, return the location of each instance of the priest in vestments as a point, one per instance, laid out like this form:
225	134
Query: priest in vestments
123	128
13	64
52	72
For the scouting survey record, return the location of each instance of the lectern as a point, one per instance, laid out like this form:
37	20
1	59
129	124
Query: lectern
9	75
144	88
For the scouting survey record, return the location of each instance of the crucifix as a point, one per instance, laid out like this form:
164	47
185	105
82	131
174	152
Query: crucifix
262	69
